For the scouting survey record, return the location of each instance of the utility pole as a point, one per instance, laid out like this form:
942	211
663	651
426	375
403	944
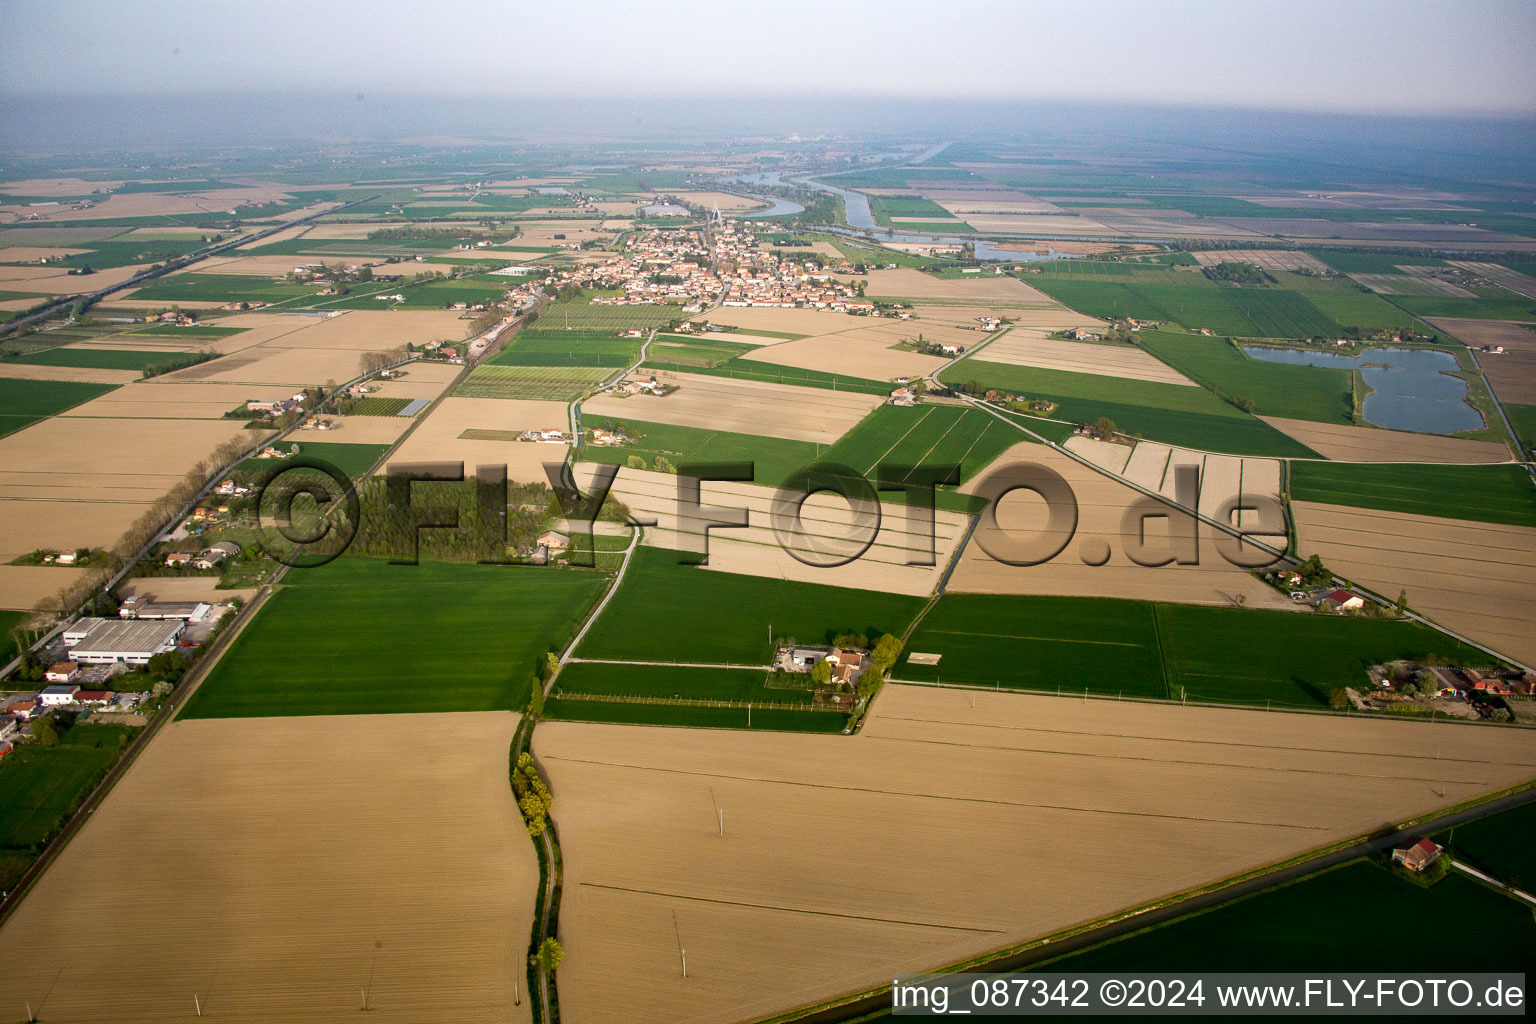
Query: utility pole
722	820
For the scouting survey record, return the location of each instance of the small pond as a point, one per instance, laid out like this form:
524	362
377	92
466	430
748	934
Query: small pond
1412	388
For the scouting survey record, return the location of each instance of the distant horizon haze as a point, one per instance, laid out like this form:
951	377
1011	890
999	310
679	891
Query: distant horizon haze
1414	57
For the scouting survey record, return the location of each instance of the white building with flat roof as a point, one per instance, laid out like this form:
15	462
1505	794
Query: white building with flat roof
126	641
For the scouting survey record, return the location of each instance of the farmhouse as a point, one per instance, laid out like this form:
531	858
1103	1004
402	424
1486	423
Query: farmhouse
553	539
62	672
178	558
59	695
1417	855
132	642
1343	600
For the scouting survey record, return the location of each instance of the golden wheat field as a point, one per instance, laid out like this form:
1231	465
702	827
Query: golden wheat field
942	831
274	869
1476	578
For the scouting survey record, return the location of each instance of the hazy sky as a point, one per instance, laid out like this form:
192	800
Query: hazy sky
1403	56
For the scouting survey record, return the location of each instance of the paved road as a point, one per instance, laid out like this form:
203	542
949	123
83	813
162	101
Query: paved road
1519	894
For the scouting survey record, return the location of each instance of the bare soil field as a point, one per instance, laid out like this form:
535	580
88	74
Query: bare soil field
27	253
1343	443
436	438
362	430
165	398
542	233
1153	465
184	588
278	266
24	587
1410	284
787	321
32	514
742	407
1476	578
275	878
848	354
1139	801
30	371
111	469
1032	347
992	288
1501	276
756	550
57	281
367	330
1101	507
1513	373
726	202
1041	224
1266	259
155	204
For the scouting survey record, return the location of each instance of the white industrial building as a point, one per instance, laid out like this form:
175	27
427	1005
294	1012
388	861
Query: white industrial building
124	642
144	606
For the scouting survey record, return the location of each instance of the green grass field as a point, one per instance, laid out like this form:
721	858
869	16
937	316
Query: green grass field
375	406
1372	262
1503	845
1314	393
40	787
775	458
220	288
928	435
351	459
1336	917
360	636
679	348
664	681
1040	643
1523	419
1508	307
583	316
9	621
1485	494
1364	310
1141	649
765	719
547	383
546	345
200	331
24	402
664	611
1254	656
1171	413
99	358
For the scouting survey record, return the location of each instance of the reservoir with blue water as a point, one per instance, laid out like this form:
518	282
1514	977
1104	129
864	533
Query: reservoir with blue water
1412	388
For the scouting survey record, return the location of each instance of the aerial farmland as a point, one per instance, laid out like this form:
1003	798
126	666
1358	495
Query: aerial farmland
651	553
